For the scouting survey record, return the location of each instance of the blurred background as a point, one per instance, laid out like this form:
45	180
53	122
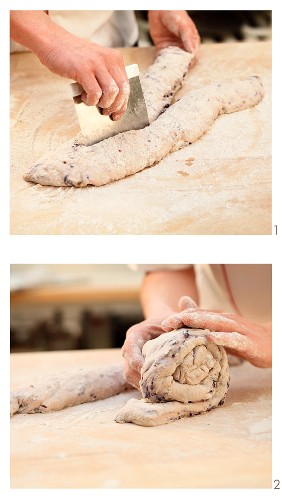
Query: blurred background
58	307
220	25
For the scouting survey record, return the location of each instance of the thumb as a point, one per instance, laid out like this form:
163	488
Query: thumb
188	38
186	302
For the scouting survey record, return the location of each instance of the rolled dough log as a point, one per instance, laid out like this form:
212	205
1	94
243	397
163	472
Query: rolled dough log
66	389
183	375
125	154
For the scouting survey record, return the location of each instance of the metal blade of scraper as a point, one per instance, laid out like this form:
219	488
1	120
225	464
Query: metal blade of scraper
95	127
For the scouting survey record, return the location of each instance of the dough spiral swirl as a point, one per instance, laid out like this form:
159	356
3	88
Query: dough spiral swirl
183	374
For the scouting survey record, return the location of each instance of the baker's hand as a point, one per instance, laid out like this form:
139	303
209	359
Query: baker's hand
100	71
173	27
136	337
240	337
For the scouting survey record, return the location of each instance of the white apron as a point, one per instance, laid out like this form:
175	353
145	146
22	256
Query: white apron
110	28
245	289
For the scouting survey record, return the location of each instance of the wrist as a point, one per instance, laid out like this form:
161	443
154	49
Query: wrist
49	38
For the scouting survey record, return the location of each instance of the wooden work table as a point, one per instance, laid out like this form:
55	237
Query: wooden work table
219	185
83	447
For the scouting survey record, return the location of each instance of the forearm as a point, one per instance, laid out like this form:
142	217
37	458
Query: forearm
161	291
100	70
35	30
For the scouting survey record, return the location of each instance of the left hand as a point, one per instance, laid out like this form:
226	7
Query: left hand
240	337
136	337
173	27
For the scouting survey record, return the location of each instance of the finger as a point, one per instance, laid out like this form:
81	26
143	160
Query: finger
108	86
135	361
191	47
197	41
209	320
117	116
172	323
132	352
189	36
190	42
131	376
93	92
194	38
116	113
120	103
232	340
186	302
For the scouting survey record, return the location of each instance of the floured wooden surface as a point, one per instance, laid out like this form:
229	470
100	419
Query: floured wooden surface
219	185
83	446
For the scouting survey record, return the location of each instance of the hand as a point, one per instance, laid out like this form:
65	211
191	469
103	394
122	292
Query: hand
99	70
240	337
136	337
173	27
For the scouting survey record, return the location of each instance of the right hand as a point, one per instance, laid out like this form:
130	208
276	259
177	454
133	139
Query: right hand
239	336
100	71
136	337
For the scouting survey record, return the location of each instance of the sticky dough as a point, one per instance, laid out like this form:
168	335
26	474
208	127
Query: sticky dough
159	83
163	78
61	391
74	164
183	375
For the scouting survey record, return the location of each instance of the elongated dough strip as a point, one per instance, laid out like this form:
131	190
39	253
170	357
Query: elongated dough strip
130	152
163	78
63	390
159	83
183	374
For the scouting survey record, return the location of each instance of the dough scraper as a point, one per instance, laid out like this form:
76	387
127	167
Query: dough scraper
95	127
